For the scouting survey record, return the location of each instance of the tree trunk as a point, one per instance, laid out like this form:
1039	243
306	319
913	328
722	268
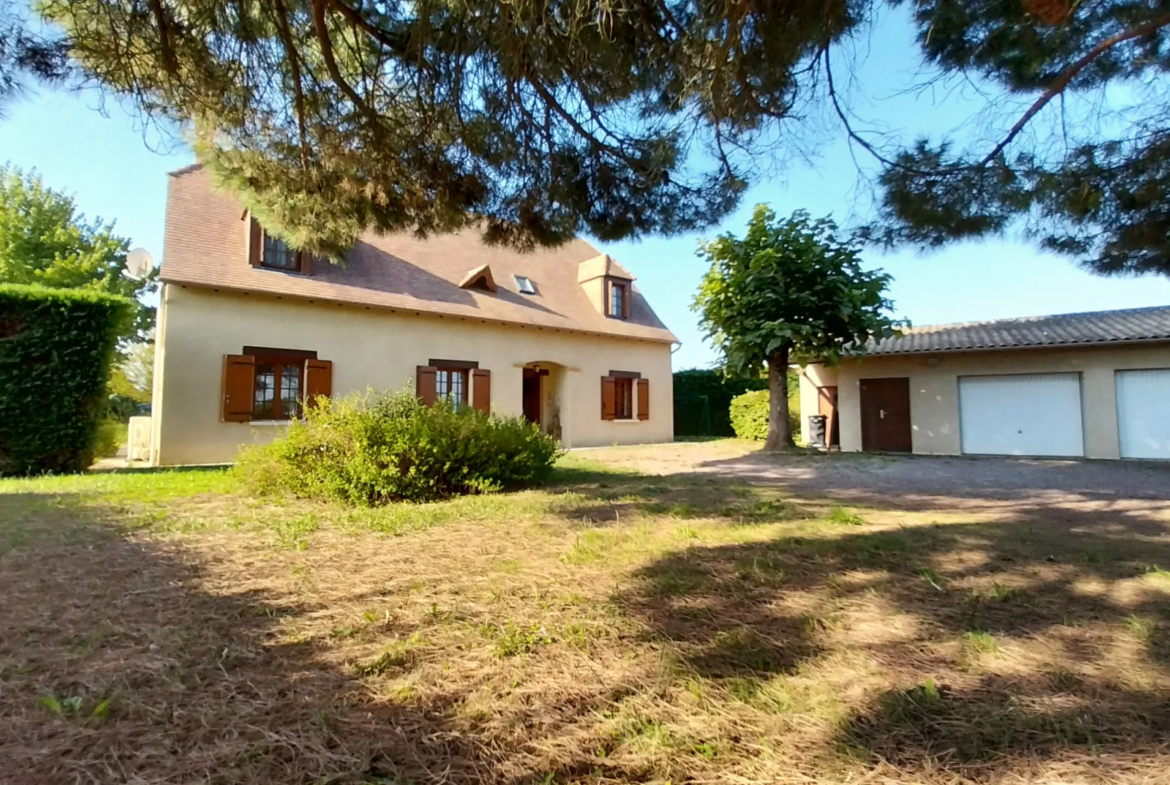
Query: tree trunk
779	434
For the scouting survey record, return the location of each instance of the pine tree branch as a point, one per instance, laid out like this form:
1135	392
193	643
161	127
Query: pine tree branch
170	62
1062	81
294	61
322	31
844	118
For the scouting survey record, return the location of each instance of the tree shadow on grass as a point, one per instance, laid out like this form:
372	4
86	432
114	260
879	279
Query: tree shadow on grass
1074	597
122	660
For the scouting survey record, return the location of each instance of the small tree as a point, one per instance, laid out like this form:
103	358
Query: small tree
789	290
45	241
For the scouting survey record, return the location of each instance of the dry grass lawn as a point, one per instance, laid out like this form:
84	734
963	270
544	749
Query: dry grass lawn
616	626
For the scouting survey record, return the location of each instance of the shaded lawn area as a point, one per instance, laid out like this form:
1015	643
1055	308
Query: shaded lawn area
611	627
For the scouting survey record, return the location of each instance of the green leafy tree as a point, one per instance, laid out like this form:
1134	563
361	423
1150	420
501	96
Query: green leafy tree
789	290
45	240
548	118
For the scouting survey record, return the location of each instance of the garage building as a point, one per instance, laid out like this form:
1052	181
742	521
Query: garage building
1093	385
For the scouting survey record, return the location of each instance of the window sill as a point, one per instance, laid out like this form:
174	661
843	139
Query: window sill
269	422
282	270
626	422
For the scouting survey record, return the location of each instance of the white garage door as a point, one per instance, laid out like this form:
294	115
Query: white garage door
1028	414
1143	413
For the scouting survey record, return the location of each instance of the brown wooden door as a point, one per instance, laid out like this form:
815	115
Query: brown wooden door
531	395
885	415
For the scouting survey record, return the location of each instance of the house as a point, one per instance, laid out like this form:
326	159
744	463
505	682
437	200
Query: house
248	328
1095	385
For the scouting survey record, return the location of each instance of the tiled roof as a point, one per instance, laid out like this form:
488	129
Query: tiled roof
205	245
1070	329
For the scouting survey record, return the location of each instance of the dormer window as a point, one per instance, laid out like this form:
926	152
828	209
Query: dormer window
479	278
524	285
269	252
618	302
607	284
278	255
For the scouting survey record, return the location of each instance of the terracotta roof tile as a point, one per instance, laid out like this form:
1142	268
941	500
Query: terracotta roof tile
1071	329
205	245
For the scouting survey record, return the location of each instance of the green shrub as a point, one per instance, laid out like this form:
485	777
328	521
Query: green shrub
111	435
373	449
56	346
749	414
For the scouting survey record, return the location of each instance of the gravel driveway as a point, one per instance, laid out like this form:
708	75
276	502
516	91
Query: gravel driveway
918	481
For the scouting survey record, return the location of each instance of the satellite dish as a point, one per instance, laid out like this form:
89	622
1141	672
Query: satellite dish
139	263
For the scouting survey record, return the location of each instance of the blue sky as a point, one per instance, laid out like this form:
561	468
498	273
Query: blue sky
117	171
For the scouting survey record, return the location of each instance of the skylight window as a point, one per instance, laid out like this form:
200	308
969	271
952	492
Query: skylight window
525	285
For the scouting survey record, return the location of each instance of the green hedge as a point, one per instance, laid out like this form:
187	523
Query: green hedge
389	447
702	401
749	414
56	347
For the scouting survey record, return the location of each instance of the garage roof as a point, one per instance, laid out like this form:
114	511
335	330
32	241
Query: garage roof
1135	325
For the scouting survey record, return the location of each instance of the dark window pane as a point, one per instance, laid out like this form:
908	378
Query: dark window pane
265	392
617	294
456	387
623	398
277	254
290	390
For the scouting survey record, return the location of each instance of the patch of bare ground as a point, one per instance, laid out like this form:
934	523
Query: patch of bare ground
615	626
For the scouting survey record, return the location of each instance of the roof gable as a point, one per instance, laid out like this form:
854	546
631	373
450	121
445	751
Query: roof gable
479	278
602	266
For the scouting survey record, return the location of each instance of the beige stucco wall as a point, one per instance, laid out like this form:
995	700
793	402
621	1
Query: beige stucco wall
381	349
934	389
812	378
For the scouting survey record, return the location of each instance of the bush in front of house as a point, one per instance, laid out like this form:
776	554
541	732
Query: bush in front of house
749	414
378	448
56	347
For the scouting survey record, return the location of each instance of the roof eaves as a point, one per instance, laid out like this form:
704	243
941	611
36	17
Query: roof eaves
1086	343
666	335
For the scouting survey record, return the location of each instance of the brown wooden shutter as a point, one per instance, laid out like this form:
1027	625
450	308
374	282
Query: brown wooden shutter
318	379
608	398
305	262
481	390
627	293
239	378
425	384
643	399
255	242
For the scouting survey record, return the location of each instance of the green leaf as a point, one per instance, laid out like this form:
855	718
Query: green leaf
50	703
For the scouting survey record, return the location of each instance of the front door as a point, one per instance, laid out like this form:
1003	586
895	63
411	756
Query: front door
885	415
531	395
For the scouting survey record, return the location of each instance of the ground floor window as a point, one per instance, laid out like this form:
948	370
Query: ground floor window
279	382
623	399
624	394
451	385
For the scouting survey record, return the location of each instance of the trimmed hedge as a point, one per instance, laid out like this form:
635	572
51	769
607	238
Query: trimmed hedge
379	448
749	414
56	347
702	401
